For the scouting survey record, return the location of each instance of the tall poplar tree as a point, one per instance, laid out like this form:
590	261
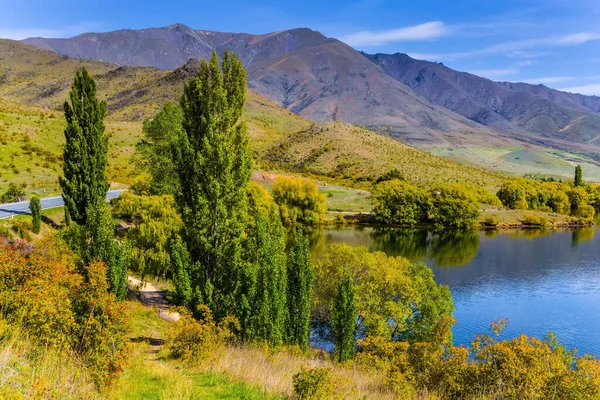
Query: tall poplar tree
263	317
343	319
36	213
578	181
300	276
84	156
213	163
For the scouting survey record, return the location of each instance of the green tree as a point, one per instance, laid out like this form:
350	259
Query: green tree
154	150
578	181
399	203
396	299
453	207
96	241
213	164
155	221
343	319
299	200
300	276
84	157
36	213
101	245
264	282
182	269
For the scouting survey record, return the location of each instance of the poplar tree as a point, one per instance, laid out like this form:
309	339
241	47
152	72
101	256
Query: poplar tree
578	181
300	276
265	281
84	156
36	213
343	319
99	244
213	164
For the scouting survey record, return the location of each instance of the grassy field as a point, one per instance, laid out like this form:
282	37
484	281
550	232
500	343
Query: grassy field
518	162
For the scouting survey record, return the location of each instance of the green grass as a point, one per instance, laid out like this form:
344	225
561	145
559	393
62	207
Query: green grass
151	374
341	199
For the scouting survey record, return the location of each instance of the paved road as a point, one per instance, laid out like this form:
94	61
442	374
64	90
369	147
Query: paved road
9	209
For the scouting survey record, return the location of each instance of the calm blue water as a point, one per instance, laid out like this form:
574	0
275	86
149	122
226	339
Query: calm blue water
540	280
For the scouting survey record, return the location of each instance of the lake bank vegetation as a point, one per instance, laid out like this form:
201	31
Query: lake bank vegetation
253	305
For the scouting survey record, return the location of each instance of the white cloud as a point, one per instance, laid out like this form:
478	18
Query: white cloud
495	73
526	63
578	38
417	33
67	31
590	90
527	48
548	80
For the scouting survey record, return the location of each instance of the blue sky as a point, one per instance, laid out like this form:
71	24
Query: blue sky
553	42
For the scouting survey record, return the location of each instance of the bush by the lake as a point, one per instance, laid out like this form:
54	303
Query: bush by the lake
519	368
299	200
453	207
395	299
558	197
534	220
491	220
400	203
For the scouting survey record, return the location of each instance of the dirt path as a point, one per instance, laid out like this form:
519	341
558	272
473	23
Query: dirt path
151	296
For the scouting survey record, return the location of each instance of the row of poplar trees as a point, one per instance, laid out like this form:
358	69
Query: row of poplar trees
231	255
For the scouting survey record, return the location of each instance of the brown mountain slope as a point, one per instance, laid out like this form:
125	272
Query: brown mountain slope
518	107
41	79
319	78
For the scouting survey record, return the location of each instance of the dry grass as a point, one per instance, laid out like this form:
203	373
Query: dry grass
273	371
33	371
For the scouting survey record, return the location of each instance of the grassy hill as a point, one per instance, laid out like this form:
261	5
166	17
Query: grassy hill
34	84
345	151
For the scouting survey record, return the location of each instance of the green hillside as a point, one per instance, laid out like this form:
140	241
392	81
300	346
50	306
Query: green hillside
35	83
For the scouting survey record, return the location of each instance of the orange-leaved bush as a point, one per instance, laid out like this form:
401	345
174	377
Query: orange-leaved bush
52	302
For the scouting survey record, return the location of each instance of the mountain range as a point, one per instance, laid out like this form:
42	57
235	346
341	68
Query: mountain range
497	125
419	102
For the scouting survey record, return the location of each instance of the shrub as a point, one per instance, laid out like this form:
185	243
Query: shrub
390	175
491	220
199	341
313	384
534	220
12	193
42	292
399	203
453	207
299	200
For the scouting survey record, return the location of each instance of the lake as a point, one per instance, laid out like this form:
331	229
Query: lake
541	280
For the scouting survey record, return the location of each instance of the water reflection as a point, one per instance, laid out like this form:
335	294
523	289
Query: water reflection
582	235
454	248
408	243
446	248
540	279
